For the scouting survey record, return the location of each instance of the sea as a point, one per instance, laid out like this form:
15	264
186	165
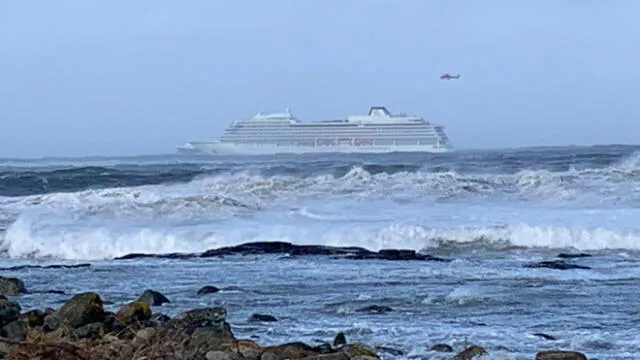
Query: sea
491	214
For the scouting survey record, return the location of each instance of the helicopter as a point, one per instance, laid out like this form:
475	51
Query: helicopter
449	77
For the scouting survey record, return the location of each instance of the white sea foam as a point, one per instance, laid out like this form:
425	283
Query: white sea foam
586	209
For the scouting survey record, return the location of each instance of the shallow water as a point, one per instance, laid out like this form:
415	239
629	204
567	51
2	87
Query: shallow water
492	213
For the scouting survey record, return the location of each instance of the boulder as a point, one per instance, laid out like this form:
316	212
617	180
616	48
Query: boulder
470	352
249	349
357	349
153	298
11	286
339	340
134	312
560	355
15	330
200	331
208	290
9	311
222	355
292	350
441	348
262	318
90	331
82	309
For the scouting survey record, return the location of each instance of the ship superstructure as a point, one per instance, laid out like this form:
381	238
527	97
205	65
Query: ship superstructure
379	131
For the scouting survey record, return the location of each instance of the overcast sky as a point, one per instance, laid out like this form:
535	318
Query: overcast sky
127	77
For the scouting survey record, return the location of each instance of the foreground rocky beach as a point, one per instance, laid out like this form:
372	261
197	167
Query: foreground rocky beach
82	329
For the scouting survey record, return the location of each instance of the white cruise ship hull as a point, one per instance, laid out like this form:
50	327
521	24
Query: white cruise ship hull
219	148
282	133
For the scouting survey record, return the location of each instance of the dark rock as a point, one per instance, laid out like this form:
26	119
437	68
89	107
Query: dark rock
90	331
160	319
262	318
59	292
441	348
179	256
333	356
252	248
339	340
557	264
222	355
324	348
11	286
249	349
34	318
395	255
56	351
470	352
55	266
300	250
200	330
134	312
292	350
544	336
9	311
391	351
573	256
357	349
375	309
208	289
15	330
153	298
560	355
81	309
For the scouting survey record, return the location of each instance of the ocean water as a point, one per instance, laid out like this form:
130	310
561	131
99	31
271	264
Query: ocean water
491	213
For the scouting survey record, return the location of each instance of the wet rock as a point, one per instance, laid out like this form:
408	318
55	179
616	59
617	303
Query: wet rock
301	250
573	256
389	350
53	291
153	298
324	348
357	349
15	330
134	312
560	355
262	318
81	309
201	330
330	356
249	349
544	336
339	340
222	355
159	319
208	290
375	309
90	331
292	350
395	255
9	311
11	286
441	348
558	265
144	336
34	318
55	266
44	351
470	352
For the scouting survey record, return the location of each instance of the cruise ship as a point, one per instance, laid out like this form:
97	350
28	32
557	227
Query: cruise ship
379	131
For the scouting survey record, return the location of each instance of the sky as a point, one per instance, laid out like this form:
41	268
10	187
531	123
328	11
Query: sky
121	77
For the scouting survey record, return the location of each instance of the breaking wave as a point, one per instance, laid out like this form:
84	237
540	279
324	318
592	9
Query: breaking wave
583	200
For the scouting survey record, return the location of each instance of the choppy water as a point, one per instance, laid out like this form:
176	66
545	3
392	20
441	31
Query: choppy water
492	212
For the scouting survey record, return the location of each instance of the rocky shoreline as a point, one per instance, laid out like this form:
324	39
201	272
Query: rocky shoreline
81	329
